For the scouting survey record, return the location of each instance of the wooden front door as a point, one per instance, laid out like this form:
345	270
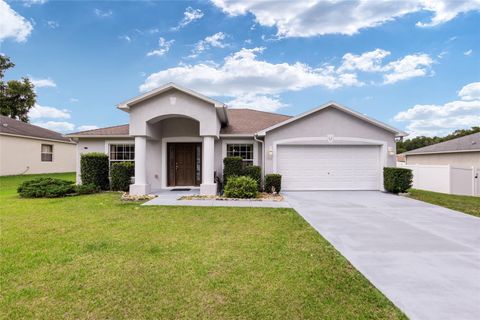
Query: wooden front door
184	163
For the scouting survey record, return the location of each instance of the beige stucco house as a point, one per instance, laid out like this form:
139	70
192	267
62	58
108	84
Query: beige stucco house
463	152
178	138
29	149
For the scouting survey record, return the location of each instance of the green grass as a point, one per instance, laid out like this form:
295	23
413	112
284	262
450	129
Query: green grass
465	204
95	257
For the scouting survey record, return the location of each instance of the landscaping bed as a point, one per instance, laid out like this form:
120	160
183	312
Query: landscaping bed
261	196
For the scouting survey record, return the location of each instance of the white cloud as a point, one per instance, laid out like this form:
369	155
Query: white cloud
86	127
13	25
369	61
39	111
189	16
74	100
468	52
317	17
214	40
126	38
43	83
52	24
410	66
470	92
431	120
60	126
29	3
103	13
256	101
163	47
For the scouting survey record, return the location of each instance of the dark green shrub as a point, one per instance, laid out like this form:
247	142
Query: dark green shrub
240	187
45	188
94	169
86	189
397	180
232	167
273	182
254	172
120	175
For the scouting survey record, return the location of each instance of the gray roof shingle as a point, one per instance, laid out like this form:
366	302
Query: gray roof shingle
16	127
466	143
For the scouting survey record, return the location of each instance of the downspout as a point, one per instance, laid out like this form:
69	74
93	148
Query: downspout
255	137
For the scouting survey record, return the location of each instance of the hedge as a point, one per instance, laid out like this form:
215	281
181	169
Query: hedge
397	180
273	183
86	189
254	172
46	188
232	166
94	169
120	175
241	187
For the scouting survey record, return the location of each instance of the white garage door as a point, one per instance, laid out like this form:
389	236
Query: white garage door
310	167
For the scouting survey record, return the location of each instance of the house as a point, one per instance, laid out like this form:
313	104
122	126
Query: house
29	149
178	138
463	152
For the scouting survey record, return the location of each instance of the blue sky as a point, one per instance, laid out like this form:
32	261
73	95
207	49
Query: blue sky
414	65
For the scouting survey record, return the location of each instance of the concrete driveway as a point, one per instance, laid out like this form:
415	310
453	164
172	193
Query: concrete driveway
424	258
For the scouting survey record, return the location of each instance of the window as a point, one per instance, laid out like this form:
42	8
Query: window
122	152
244	150
47	152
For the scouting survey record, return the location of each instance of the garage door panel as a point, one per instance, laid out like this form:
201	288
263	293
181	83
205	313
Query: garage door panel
310	167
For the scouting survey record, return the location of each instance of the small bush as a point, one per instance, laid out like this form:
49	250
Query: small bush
45	188
86	189
273	182
94	169
397	180
121	174
232	167
241	187
254	172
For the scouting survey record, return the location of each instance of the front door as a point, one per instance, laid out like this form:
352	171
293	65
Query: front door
184	163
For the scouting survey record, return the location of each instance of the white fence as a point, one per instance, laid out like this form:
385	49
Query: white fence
446	179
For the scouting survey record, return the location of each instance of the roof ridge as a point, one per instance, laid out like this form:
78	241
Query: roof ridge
33	125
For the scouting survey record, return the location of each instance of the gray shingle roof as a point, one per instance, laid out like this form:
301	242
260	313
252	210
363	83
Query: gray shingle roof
466	143
16	127
120	130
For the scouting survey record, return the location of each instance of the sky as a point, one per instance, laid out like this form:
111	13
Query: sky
414	65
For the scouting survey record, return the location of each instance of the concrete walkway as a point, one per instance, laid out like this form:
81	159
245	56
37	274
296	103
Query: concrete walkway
424	258
170	198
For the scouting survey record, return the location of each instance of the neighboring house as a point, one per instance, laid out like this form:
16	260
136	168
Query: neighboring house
28	149
463	152
178	137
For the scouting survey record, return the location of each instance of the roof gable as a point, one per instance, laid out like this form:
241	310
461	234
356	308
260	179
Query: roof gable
341	108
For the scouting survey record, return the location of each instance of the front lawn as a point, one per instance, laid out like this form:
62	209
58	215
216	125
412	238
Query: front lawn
465	204
95	257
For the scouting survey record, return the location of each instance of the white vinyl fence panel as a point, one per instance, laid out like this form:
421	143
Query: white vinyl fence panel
446	179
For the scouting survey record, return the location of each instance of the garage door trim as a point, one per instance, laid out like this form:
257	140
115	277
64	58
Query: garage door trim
336	141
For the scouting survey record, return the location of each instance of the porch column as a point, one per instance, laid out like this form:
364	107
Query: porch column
140	187
208	186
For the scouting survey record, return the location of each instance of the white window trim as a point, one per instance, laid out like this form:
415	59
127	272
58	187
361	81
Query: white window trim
41	152
110	142
242	141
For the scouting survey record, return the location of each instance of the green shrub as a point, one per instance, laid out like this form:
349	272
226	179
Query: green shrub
397	180
232	167
94	169
254	172
241	187
45	188
273	182
120	175
86	189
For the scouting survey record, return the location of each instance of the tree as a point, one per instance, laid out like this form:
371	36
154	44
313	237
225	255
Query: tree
17	97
